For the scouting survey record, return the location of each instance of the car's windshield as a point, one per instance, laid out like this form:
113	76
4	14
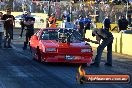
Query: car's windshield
54	35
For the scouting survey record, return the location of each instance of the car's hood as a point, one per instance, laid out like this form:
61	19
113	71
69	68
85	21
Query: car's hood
49	43
53	43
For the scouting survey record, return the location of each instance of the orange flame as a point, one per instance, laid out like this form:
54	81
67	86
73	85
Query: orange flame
81	71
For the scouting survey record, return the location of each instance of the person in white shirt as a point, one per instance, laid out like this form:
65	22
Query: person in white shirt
1	29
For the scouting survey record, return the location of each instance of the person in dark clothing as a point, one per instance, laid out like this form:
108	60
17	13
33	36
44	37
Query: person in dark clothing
68	18
29	23
107	38
1	29
81	25
9	24
120	26
129	19
122	23
22	22
87	23
107	23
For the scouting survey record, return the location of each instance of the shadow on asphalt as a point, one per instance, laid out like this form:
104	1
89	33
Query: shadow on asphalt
60	64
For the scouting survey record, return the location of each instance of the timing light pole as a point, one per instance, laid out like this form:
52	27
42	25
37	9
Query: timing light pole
127	10
49	8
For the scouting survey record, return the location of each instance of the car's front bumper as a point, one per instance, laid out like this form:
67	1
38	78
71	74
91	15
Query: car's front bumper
72	59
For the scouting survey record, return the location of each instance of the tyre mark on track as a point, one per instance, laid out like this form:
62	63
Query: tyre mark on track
40	67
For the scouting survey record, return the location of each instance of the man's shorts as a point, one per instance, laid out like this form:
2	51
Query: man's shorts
8	33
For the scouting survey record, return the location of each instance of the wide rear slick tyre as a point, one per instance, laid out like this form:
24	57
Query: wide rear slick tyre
38	53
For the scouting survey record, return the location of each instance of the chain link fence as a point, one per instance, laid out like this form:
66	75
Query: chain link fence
60	8
99	11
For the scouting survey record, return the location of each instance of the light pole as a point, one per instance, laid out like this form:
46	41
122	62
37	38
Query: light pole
49	8
70	11
127	9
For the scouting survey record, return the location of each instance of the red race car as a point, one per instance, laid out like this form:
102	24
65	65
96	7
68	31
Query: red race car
60	45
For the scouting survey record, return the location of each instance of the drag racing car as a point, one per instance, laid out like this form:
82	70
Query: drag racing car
60	45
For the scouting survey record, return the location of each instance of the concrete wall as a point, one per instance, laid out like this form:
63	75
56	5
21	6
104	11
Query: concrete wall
122	42
100	25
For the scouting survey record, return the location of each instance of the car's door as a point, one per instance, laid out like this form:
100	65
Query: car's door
34	41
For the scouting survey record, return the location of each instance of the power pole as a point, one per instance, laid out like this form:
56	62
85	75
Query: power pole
127	9
49	8
70	10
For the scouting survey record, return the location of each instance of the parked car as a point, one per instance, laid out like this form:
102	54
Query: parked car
60	45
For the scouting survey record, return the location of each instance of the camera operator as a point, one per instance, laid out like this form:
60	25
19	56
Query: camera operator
22	22
29	23
1	29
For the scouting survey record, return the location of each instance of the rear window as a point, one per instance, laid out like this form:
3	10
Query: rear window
74	35
49	35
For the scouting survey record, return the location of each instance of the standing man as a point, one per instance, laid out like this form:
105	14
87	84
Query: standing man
22	22
1	29
81	25
120	26
107	38
9	24
52	21
68	17
87	23
29	23
107	23
122	23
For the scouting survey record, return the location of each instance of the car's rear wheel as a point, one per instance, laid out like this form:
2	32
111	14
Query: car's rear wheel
34	55
38	54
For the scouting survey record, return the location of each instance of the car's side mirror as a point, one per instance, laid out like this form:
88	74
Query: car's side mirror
34	37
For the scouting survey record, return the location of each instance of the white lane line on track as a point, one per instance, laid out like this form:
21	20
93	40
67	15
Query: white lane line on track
2	85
